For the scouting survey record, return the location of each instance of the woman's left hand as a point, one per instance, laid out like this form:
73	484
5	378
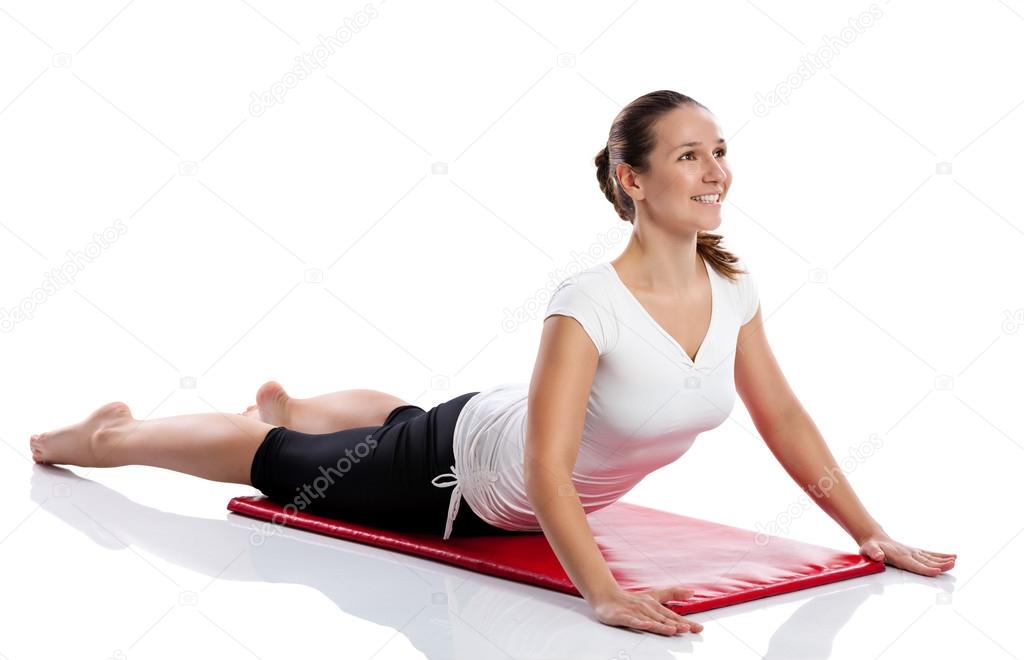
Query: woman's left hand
882	547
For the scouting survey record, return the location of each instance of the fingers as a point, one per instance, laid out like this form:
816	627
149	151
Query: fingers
939	566
661	614
637	622
916	565
649	625
925	559
914	559
940	556
643	624
678	619
645	611
672	593
666	615
677	593
928	564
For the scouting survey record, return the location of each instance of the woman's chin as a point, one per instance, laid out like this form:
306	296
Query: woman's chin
709	221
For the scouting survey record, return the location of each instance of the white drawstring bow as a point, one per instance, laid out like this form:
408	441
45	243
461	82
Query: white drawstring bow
453	507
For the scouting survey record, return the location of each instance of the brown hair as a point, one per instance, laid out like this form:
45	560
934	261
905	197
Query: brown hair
631	140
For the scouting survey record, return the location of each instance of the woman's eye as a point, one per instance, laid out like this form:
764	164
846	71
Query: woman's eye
690	153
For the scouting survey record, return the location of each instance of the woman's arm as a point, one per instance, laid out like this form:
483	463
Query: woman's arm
794	439
559	390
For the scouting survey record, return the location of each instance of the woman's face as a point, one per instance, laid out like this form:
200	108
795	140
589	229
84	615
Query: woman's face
688	161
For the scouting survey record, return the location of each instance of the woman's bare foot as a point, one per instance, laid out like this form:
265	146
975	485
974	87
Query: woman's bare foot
273	405
76	444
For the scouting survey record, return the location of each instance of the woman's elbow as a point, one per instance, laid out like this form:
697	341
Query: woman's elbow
543	478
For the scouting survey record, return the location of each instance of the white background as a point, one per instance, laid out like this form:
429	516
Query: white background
878	207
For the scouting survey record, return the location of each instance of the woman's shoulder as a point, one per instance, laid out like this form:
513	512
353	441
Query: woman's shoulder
587	287
595	275
584	296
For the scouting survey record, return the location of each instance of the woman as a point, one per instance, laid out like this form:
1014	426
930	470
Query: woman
637	357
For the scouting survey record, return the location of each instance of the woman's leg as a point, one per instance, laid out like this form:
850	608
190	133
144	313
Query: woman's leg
326	413
214	446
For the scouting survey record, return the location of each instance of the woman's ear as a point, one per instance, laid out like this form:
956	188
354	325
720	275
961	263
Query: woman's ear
628	181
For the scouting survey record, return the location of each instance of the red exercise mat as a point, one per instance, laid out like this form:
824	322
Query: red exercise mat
644	548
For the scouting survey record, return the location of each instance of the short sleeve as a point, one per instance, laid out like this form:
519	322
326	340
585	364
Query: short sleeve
570	298
749	295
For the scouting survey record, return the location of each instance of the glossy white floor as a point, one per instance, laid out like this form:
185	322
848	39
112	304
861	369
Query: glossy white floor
142	563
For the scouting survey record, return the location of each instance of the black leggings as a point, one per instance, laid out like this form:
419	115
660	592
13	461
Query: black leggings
373	475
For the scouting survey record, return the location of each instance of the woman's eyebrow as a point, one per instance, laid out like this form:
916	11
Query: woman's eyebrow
697	143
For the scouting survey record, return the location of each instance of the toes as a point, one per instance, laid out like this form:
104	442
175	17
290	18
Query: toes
37	453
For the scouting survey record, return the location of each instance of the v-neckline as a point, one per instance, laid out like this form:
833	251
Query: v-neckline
711	323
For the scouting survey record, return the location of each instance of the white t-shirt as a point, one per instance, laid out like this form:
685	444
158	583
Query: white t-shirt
647	404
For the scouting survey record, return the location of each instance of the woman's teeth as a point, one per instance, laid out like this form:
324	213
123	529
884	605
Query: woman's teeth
707	199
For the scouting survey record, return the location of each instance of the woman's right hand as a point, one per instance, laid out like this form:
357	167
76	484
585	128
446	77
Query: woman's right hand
643	610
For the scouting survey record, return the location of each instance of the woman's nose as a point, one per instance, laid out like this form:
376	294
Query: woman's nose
714	173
